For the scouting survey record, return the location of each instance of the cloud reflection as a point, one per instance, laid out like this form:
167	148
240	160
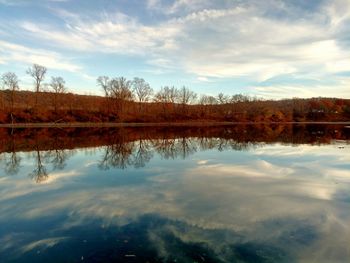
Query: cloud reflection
266	196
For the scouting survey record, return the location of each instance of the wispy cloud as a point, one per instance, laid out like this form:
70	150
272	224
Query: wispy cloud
112	34
18	53
28	2
240	41
180	5
208	39
277	91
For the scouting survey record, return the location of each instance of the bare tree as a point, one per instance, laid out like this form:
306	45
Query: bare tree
120	89
239	98
185	97
38	73
166	94
104	82
206	103
207	100
223	108
10	82
116	89
58	86
223	99
142	90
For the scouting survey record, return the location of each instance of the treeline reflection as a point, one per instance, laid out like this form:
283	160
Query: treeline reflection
49	149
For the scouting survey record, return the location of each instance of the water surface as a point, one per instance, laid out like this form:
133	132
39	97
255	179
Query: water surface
219	194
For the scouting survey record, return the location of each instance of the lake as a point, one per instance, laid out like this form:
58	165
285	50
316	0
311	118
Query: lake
244	193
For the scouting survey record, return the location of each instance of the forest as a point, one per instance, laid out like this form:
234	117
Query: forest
135	101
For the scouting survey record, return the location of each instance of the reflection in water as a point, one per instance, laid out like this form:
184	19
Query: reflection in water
39	174
130	147
11	160
219	194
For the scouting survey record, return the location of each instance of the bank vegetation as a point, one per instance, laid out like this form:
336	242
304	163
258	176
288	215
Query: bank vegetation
135	101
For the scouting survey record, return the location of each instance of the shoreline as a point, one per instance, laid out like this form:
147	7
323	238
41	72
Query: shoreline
154	124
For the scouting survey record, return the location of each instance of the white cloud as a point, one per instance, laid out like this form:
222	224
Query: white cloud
191	5
278	91
203	79
118	34
18	53
338	11
178	7
153	4
27	2
247	44
211	39
234	42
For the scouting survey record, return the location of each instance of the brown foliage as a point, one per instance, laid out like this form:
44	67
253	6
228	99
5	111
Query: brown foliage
30	107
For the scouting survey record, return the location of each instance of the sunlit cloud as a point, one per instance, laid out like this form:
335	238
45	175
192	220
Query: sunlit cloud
240	41
18	53
61	175
43	244
245	42
278	91
28	2
116	33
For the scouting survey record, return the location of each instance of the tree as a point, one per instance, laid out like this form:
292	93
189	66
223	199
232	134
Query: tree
116	89
185	96
206	102
104	82
239	98
58	87
142	90
120	89
38	73
10	82
166	94
223	99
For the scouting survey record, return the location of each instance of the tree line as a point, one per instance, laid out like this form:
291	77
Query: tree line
136	101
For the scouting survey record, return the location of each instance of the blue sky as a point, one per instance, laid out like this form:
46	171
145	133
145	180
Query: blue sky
271	48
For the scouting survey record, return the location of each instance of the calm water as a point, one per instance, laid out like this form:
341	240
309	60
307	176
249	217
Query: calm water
239	194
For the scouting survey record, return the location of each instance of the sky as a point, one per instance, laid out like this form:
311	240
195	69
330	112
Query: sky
272	48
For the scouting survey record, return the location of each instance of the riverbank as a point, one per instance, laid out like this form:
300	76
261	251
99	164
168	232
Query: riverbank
154	124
